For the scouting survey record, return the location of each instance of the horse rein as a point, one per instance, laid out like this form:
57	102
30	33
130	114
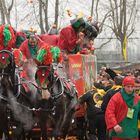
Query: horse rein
57	96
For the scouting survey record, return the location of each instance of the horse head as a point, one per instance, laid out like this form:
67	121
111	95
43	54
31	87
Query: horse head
7	72
48	79
7	64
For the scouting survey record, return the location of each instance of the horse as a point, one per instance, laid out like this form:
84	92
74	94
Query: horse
57	105
16	105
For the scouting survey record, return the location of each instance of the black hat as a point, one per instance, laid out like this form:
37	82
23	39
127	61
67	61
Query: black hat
91	30
77	23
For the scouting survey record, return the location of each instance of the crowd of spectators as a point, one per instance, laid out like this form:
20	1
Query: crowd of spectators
103	121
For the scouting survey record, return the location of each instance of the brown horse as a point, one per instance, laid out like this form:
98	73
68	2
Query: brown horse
57	105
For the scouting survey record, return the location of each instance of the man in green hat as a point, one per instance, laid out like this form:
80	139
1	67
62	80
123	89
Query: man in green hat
71	37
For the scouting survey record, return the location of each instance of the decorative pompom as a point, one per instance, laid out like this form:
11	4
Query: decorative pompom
1	37
11	43
60	58
7	36
18	57
48	59
45	56
56	53
40	56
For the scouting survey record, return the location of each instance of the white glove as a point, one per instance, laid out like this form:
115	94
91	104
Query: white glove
118	128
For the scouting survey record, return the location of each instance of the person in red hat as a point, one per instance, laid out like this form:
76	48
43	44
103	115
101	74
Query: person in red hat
122	112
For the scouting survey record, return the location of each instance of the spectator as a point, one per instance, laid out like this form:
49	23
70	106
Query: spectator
122	112
116	88
95	117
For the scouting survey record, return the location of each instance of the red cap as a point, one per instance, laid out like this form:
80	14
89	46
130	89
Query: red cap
128	80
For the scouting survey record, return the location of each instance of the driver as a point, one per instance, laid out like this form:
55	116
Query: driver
30	46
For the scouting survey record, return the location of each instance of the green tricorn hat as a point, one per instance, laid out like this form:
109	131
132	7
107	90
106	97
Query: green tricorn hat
77	23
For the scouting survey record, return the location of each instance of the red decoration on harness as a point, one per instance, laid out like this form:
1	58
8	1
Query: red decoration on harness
42	76
4	58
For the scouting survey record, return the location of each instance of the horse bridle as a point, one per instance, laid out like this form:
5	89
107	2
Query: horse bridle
46	68
52	76
10	54
3	73
54	79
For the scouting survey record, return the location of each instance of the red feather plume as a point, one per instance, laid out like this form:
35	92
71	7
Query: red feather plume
1	37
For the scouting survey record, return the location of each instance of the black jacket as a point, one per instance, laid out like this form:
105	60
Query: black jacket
107	98
91	109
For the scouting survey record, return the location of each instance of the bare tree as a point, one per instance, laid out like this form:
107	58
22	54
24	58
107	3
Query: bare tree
43	8
43	15
95	13
122	19
56	12
41	3
92	6
2	12
6	11
46	15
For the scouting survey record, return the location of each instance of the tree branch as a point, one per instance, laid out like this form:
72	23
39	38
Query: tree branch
132	10
10	7
105	43
96	9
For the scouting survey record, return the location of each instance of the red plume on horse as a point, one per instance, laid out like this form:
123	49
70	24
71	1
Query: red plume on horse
9	40
7	37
